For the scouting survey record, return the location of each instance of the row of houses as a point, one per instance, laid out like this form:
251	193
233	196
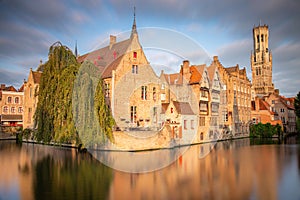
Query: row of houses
199	102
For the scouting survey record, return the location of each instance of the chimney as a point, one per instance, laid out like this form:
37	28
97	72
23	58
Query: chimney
186	70
216	58
276	91
113	40
2	86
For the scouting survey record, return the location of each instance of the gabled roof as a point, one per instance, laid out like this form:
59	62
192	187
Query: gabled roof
9	88
285	100
107	72
36	75
175	78
196	73
232	69
183	108
21	88
164	107
106	56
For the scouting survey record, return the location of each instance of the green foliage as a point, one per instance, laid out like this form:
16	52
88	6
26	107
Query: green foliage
297	111
105	119
83	103
92	116
27	133
265	130
297	105
54	110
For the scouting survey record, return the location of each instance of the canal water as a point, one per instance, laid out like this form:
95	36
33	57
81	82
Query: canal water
239	169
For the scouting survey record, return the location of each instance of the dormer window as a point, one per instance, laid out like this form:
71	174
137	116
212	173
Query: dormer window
135	55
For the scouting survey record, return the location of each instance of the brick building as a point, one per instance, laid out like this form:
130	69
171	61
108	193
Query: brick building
31	88
237	97
11	104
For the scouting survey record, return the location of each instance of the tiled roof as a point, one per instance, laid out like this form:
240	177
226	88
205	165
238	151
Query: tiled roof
21	88
107	72
173	78
183	108
164	107
232	69
284	101
196	73
36	77
10	88
106	56
211	73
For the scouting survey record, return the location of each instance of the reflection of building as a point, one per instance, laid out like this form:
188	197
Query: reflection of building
31	87
226	172
11	105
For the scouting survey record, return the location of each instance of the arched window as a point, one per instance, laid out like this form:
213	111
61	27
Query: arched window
8	99
20	110
5	109
17	100
13	110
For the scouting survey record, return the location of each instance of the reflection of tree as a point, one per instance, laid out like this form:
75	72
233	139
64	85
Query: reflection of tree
66	178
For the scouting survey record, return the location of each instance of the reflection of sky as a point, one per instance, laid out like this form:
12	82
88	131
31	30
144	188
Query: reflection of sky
288	188
10	190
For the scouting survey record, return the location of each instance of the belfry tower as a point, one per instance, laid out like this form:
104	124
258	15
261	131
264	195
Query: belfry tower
261	62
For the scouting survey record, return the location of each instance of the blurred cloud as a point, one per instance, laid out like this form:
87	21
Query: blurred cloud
28	28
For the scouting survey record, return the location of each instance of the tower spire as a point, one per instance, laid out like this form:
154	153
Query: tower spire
133	30
76	53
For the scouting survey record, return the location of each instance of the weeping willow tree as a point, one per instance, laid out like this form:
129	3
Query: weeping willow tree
89	107
105	119
53	116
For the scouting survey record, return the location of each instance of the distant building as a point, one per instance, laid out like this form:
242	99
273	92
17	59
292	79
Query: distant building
263	112
11	104
261	62
31	88
267	104
285	110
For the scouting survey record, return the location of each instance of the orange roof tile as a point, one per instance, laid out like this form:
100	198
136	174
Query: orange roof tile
183	108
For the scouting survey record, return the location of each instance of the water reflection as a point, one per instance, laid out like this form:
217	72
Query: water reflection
228	170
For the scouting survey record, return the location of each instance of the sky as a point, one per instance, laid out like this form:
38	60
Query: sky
216	27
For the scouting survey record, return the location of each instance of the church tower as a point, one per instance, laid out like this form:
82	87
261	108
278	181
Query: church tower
261	62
